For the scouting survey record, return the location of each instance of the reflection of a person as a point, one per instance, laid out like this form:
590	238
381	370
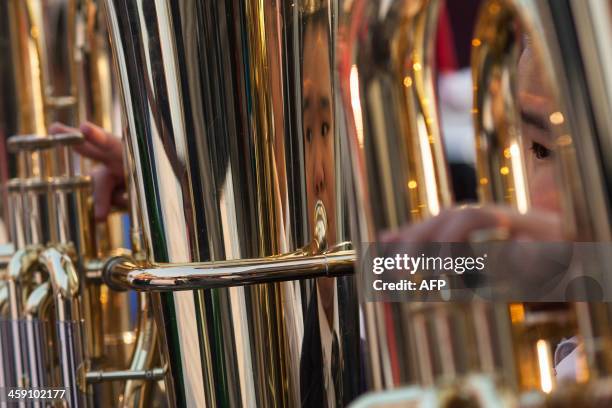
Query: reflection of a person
320	381
535	101
318	120
543	221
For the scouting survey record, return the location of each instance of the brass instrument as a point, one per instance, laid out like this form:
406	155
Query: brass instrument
56	67
459	352
397	154
265	142
224	164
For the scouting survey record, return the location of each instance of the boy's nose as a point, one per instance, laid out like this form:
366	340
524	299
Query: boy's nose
319	176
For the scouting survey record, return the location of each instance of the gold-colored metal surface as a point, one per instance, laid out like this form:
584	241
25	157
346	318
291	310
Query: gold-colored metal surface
400	173
501	165
232	145
36	336
56	67
229	273
406	342
138	393
500	139
65	283
260	136
388	93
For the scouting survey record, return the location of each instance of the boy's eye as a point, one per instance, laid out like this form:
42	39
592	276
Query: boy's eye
324	129
541	152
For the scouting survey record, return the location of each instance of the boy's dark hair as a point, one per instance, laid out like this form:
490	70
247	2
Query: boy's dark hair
313	21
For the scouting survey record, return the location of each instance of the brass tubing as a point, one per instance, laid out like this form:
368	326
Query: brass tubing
576	130
65	283
4	299
35	142
5	341
125	274
135	392
222	179
19	266
400	177
500	162
154	374
36	345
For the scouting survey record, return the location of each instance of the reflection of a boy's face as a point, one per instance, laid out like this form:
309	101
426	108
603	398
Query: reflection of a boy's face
535	100
318	123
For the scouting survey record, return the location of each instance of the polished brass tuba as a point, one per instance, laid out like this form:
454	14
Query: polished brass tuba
266	143
458	352
234	141
58	326
387	77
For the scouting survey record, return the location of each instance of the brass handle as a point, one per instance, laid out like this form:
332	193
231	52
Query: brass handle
312	261
122	273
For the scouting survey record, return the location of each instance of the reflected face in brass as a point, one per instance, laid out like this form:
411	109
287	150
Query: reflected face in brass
536	108
318	120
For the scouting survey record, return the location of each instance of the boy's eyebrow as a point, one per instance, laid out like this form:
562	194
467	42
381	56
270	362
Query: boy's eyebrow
535	119
544	136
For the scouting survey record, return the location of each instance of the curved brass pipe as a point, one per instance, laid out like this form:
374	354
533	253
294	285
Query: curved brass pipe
62	273
18	271
496	51
500	161
65	283
579	146
34	313
125	274
135	393
400	176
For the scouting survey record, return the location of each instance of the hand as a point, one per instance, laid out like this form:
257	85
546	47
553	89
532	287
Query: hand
458	225
520	270
108	177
